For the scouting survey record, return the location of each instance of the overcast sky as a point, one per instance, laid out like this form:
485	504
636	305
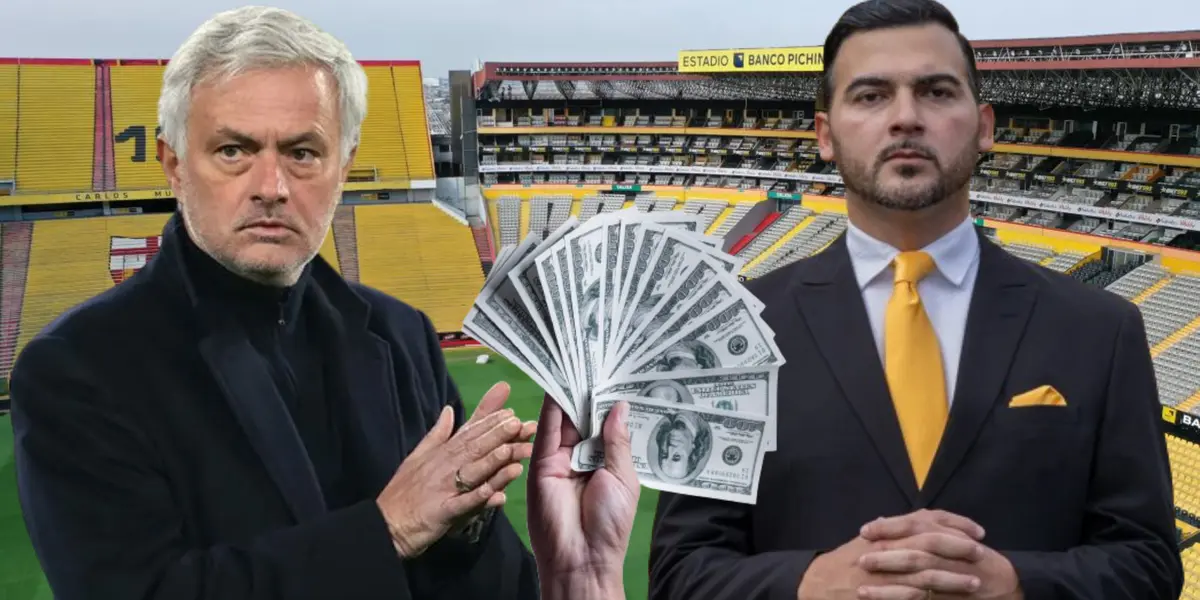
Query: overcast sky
453	34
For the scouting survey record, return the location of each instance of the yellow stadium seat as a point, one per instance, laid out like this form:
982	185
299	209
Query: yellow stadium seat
414	124
8	121
74	259
135	91
57	129
381	147
420	255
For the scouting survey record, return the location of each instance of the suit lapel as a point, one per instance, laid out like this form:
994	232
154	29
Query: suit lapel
832	306
364	375
1001	305
247	385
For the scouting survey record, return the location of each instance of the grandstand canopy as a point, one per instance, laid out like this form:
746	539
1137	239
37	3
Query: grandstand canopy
1131	70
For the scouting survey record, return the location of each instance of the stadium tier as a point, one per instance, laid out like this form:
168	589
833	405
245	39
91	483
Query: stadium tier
71	126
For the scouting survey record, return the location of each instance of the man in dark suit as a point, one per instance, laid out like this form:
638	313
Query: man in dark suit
1000	418
237	421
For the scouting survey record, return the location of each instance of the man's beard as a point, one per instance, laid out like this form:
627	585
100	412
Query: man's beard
265	272
909	196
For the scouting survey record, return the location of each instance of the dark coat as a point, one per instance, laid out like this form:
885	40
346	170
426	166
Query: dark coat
155	458
1078	497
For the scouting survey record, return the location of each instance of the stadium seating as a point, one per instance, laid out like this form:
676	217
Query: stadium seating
71	260
420	255
509	208
790	218
706	209
57	128
135	89
814	235
382	145
728	218
547	213
414	126
8	123
1191	567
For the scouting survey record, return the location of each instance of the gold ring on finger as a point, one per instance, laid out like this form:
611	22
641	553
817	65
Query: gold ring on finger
459	484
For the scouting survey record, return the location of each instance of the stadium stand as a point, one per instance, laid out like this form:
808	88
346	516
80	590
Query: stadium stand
71	260
56	127
8	126
417	253
134	91
382	154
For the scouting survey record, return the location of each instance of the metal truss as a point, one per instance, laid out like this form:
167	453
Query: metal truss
1109	88
1172	49
1126	88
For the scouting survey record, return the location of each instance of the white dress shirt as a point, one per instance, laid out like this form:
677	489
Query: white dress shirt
945	293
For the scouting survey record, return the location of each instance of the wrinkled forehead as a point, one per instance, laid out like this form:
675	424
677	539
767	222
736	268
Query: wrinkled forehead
284	100
899	55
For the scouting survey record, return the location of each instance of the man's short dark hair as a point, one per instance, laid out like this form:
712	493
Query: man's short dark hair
881	14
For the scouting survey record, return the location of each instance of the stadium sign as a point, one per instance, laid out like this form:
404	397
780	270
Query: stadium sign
753	60
1096	183
1181	424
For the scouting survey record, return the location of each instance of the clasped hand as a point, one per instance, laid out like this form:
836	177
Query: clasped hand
451	476
921	555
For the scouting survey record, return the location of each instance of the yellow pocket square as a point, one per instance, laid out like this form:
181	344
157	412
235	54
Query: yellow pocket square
1045	395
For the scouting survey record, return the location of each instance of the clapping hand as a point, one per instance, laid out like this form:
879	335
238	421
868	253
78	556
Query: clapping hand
447	479
580	523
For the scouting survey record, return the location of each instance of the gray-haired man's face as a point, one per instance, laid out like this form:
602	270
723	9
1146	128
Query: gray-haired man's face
263	171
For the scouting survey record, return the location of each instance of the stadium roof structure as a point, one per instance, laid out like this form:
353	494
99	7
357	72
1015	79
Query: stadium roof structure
1131	70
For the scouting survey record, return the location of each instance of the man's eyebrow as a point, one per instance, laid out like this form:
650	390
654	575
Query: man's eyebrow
308	137
867	81
246	140
936	78
918	81
237	136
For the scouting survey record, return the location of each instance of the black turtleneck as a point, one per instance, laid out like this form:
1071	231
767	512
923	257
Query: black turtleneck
287	337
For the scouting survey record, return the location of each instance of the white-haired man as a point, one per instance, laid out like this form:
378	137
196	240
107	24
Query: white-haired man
287	434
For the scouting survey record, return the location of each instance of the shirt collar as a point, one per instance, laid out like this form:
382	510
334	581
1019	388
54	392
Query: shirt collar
953	253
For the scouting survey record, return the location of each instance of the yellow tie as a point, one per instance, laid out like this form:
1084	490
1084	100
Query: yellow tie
913	362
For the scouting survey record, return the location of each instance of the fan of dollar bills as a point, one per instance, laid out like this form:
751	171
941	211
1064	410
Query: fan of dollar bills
642	307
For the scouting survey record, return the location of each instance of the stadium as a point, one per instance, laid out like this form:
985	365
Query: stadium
1095	173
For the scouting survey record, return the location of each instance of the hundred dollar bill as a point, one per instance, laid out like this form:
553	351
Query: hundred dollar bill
480	327
527	282
687	449
504	307
585	249
498	263
676	257
746	390
500	268
609	279
730	336
644	249
680	309
649	324
553	291
630	235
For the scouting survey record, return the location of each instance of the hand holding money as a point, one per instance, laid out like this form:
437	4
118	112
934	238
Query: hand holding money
642	308
580	522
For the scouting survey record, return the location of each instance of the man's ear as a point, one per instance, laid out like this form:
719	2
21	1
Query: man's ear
349	164
824	137
987	127
170	164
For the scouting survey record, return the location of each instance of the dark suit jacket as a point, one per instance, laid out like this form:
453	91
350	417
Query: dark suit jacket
155	458
1078	498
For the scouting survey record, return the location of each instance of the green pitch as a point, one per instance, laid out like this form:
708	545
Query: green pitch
21	578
